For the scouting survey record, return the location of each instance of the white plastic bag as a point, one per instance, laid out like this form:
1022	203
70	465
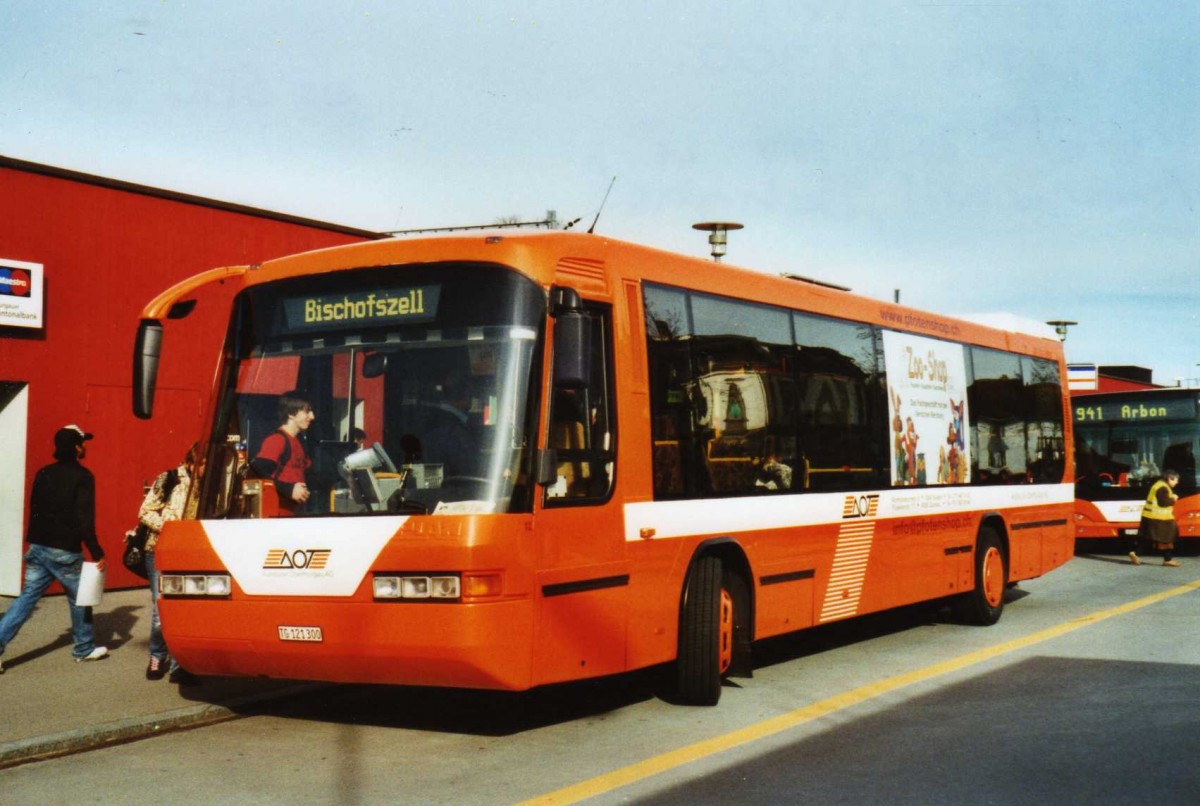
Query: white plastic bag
91	585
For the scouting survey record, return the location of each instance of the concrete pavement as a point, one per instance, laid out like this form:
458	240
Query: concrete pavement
50	705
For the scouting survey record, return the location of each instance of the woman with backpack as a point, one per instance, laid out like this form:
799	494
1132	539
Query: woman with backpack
164	502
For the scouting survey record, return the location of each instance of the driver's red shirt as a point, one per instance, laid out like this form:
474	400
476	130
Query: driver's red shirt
292	471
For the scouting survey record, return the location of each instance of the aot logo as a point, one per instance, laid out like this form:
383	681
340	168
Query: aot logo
309	559
861	506
14	282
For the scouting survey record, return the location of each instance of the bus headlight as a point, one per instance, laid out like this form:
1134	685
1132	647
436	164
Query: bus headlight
194	585
394	586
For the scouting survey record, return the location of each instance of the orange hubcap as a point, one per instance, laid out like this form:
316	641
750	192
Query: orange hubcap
725	632
993	577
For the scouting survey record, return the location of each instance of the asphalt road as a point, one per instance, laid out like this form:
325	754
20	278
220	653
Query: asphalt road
1087	691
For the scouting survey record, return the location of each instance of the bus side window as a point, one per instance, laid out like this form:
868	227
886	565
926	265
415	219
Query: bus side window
568	437
581	425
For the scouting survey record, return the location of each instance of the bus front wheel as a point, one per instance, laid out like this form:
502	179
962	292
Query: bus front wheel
706	628
985	603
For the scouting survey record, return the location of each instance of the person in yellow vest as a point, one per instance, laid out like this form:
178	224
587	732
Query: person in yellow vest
1157	529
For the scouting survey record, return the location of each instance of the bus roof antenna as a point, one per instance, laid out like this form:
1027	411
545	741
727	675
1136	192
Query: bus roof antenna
592	228
717	235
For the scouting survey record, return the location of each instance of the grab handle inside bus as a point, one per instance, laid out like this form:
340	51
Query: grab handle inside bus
146	349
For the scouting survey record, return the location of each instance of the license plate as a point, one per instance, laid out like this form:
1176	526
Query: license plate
300	634
1129	532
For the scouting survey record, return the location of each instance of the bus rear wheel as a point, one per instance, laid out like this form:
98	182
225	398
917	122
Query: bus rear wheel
706	633
985	603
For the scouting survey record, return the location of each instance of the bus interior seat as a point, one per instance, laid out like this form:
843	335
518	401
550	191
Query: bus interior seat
668	459
731	465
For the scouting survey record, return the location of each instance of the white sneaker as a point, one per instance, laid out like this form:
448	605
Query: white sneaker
99	653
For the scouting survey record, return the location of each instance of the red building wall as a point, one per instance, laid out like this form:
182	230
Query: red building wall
107	248
1107	383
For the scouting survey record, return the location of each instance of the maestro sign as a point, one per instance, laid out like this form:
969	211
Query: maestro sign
20	293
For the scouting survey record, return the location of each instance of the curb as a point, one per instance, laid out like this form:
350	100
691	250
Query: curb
79	740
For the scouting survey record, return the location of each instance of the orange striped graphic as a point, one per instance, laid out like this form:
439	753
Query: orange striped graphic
310	559
849	571
276	559
860	506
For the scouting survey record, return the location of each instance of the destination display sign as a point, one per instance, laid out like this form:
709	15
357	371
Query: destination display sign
383	306
1135	409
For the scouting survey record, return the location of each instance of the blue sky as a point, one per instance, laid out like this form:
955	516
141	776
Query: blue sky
1036	158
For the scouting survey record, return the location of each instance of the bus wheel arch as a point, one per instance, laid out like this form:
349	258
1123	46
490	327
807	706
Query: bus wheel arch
715	623
984	603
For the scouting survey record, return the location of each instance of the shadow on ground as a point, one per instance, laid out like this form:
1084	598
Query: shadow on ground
489	713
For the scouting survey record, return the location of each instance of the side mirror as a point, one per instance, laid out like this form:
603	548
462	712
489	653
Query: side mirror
563	299
374	365
147	347
572	350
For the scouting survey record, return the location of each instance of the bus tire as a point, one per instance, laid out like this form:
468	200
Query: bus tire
985	603
705	635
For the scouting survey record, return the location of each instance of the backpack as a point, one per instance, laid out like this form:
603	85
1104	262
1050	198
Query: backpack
284	456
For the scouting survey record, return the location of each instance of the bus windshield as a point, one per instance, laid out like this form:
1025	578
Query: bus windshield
418	380
1125	441
1116	458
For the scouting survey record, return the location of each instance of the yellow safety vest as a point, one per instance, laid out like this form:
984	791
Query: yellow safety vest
1152	510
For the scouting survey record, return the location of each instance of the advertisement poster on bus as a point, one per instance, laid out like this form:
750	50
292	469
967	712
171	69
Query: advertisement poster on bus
927	406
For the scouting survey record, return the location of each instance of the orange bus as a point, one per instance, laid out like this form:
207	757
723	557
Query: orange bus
1124	441
545	457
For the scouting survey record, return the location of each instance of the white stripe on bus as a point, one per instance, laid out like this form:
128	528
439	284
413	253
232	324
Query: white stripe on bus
723	516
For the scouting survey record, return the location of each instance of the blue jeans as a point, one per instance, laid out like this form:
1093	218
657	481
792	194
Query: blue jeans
158	644
43	565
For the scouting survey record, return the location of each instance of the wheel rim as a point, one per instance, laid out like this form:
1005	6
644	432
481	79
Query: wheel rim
725	632
993	577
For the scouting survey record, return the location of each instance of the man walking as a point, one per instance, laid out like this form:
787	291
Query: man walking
62	515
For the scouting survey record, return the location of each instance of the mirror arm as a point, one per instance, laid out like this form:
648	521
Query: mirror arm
564	300
547	466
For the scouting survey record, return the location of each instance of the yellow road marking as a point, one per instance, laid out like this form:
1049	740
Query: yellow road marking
718	744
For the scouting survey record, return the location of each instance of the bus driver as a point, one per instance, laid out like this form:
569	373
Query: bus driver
281	457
